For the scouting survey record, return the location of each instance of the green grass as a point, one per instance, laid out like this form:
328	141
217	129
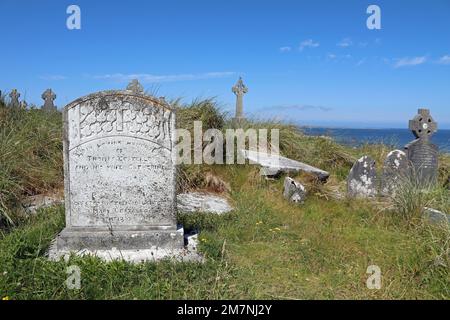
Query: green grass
266	248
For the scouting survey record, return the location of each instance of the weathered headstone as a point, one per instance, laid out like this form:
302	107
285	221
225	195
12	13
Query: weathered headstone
239	90
294	191
14	95
422	154
48	96
362	180
119	173
395	171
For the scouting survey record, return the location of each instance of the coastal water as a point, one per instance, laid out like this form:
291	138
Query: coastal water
397	138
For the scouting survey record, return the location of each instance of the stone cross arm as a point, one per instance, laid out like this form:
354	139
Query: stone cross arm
423	124
240	88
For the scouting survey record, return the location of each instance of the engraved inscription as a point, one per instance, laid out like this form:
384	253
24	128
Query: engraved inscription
120	167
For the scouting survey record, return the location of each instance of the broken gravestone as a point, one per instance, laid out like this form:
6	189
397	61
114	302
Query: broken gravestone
395	171
119	174
362	180
294	191
422	154
272	165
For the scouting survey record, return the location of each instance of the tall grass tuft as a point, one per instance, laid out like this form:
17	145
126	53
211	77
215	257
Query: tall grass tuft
412	195
30	156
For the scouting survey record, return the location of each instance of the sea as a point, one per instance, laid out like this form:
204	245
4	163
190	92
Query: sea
396	138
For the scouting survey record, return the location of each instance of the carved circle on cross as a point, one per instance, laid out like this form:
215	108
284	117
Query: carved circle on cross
423	124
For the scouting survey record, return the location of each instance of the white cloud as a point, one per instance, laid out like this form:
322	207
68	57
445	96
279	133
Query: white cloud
308	44
151	78
444	60
331	56
347	42
53	77
285	49
409	62
361	62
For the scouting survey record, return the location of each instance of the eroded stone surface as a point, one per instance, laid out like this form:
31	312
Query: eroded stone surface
362	180
119	173
294	191
395	171
423	156
202	202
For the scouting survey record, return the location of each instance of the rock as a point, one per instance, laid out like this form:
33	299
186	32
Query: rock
395	170
202	202
34	203
362	180
294	191
436	217
272	165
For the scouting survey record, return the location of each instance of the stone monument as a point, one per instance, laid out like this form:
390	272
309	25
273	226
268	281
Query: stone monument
395	171
239	90
135	87
14	95
422	154
48	96
362	180
119	173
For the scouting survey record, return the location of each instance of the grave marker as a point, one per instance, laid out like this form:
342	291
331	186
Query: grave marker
422	154
119	173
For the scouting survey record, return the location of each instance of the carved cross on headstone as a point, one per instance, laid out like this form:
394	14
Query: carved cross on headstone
239	90
14	95
135	87
422	154
48	96
423	126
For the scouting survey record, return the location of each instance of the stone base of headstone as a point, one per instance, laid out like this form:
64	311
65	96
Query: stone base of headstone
187	253
98	239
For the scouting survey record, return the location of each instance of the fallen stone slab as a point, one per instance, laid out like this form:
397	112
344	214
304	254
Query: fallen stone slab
436	216
273	165
202	202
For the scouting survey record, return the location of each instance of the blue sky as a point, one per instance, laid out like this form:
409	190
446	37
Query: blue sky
312	62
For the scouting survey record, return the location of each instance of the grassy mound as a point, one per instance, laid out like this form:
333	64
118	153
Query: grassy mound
266	248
